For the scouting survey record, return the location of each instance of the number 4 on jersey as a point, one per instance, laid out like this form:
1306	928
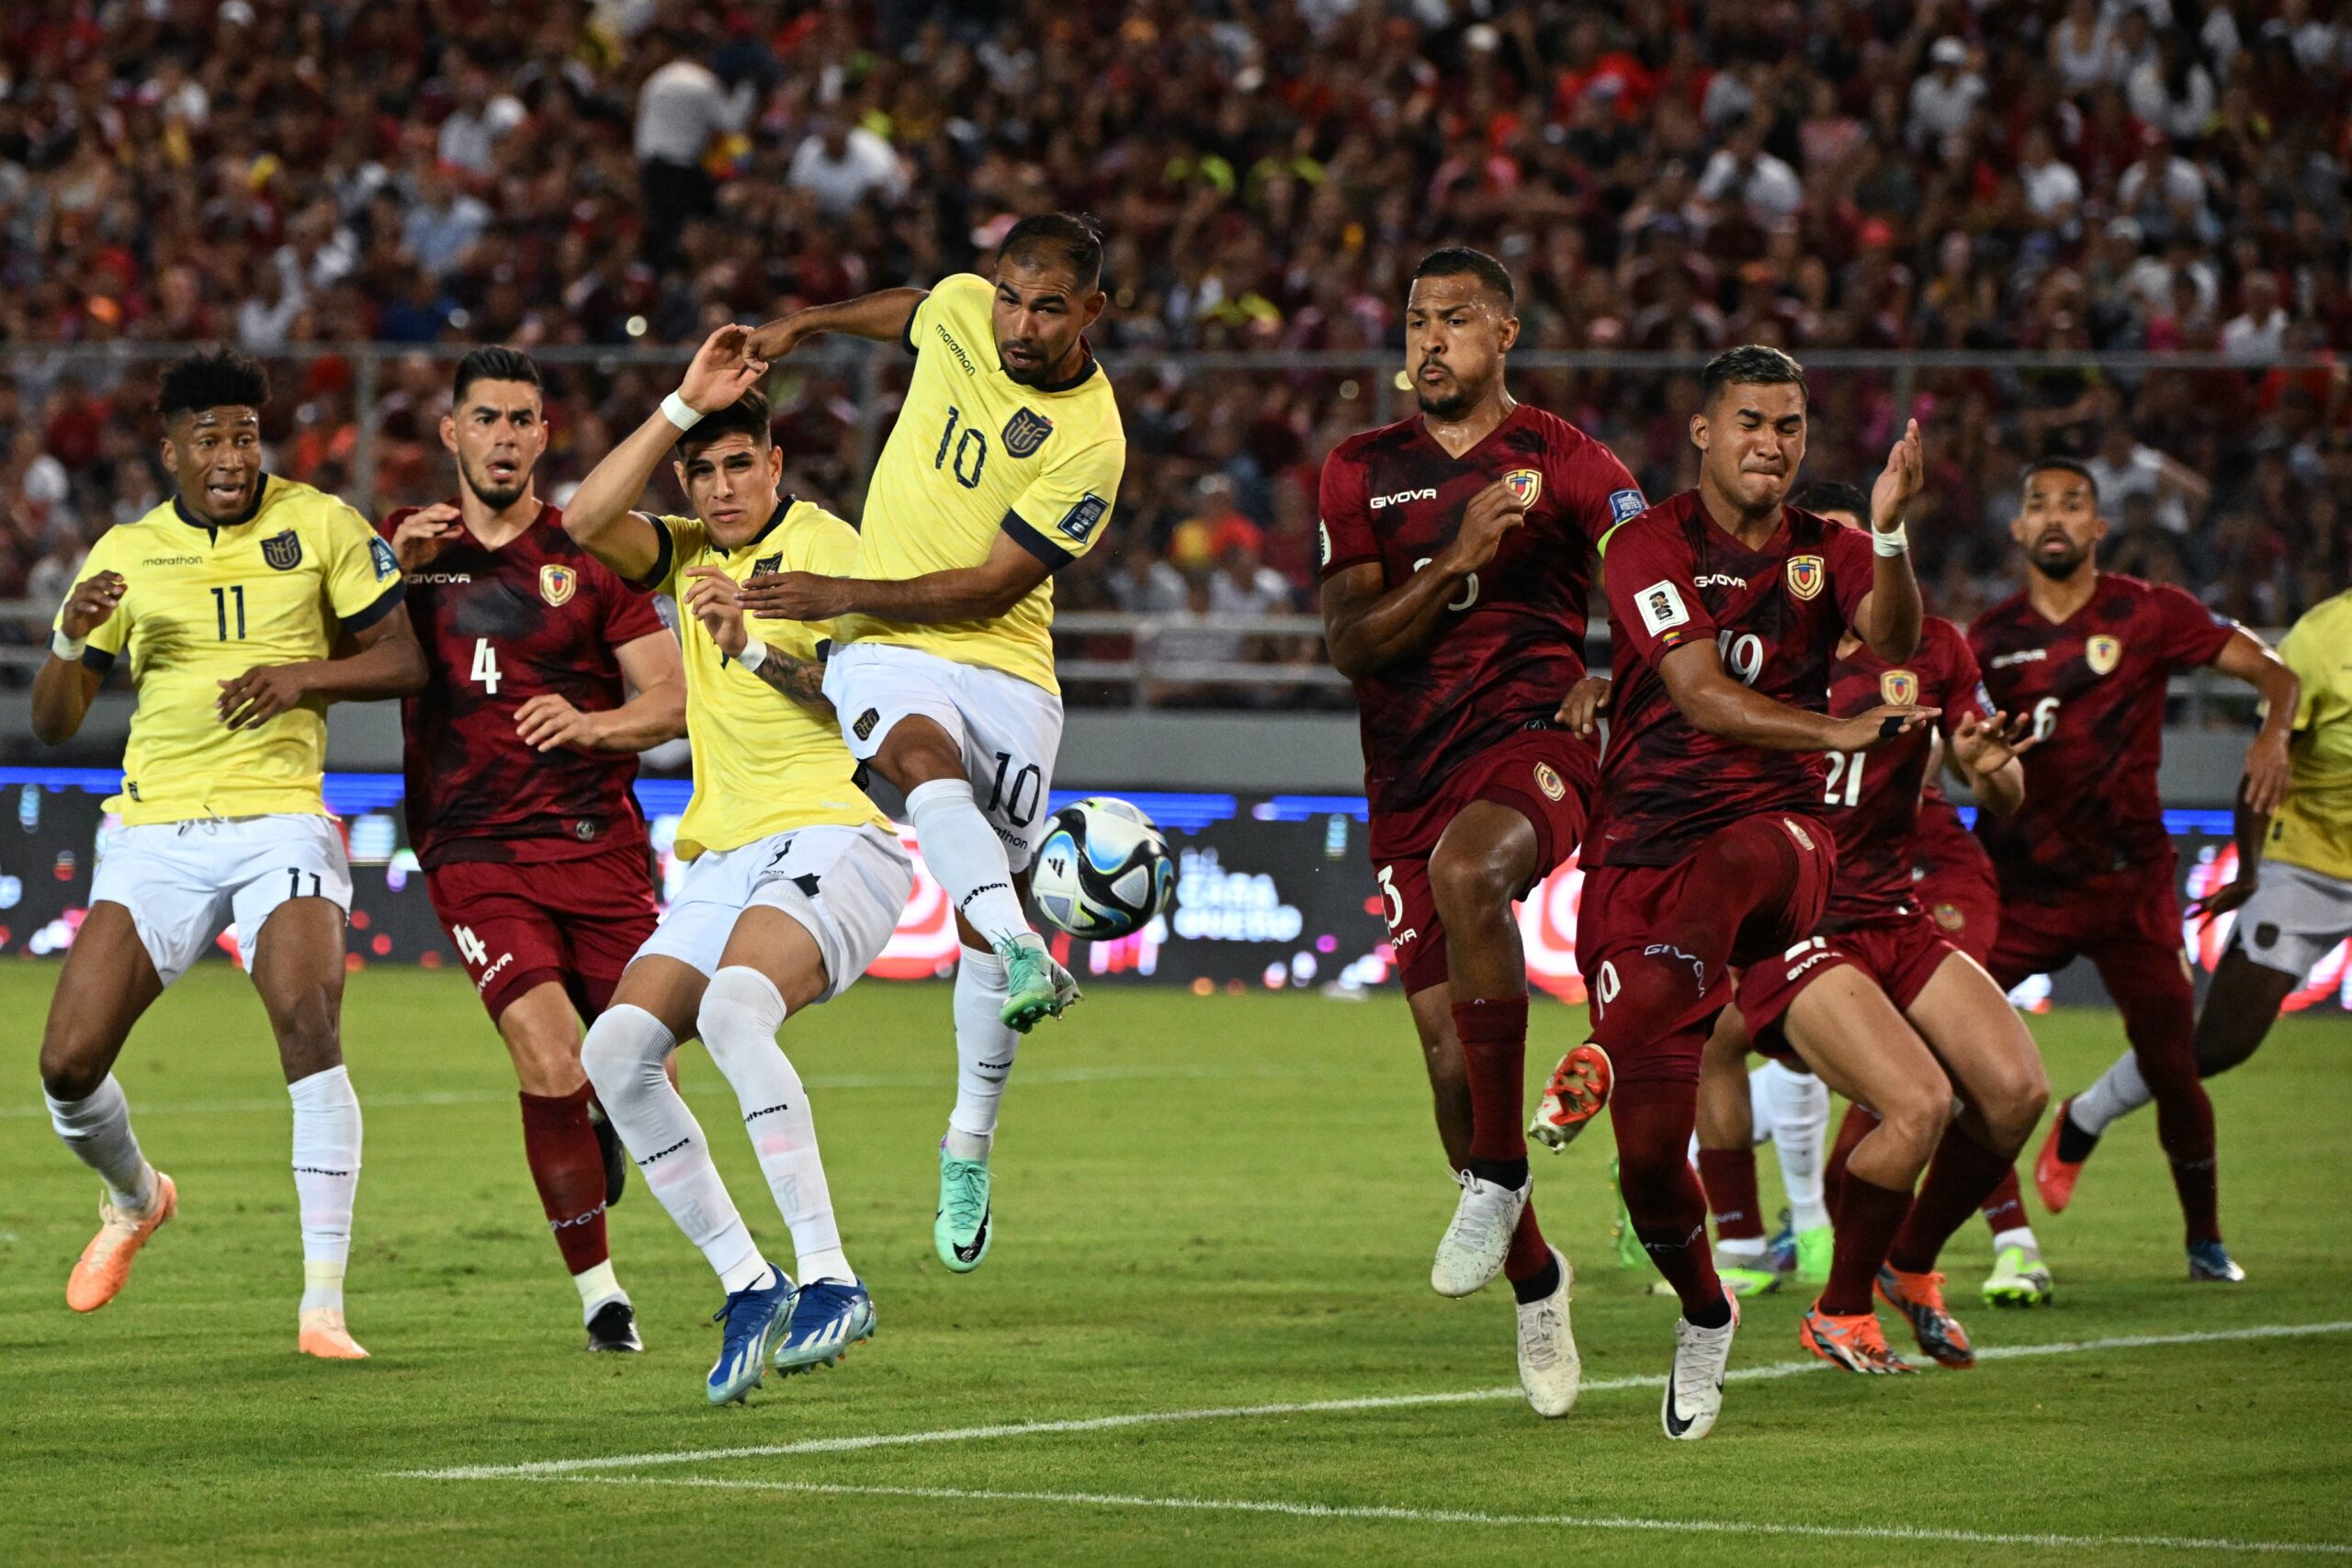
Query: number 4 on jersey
485	668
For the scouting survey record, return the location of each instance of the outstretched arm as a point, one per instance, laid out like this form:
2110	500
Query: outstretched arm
389	663
882	316
2249	658
655	712
962	593
1715	703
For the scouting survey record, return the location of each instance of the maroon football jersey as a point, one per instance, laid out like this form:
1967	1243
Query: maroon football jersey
1775	614
1872	799
1514	642
2094	687
500	627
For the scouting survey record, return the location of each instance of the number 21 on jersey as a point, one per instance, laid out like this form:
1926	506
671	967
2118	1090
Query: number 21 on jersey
1846	770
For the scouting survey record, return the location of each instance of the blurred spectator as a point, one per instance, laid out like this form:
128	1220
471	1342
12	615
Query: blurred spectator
840	165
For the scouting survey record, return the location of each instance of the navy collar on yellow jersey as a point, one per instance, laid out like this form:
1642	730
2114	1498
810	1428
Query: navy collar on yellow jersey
1085	372
776	521
260	493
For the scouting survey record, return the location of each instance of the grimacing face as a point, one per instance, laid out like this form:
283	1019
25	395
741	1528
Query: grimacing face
498	432
1039	316
2058	521
214	456
1751	441
1457	332
731	485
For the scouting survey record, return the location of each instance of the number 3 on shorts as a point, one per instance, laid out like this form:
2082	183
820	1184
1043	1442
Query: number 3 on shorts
1394	900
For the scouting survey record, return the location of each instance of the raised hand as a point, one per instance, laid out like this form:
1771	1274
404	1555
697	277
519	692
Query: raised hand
1983	743
424	533
92	600
724	368
712	599
1905	474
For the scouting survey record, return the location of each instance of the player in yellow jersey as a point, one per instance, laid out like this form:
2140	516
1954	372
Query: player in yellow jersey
1003	469
794	881
231	600
2292	893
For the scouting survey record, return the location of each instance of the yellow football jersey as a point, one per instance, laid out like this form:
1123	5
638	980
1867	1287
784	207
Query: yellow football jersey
762	763
2313	830
201	605
974	454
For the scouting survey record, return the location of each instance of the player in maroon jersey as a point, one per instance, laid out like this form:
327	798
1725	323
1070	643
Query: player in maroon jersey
2087	868
1457	558
521	753
1726	608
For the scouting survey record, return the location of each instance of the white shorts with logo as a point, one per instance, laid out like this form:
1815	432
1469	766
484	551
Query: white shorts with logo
183	880
1010	730
2295	918
846	886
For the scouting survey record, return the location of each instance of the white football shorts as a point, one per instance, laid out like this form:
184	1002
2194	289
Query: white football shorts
847	886
2295	918
183	880
1009	729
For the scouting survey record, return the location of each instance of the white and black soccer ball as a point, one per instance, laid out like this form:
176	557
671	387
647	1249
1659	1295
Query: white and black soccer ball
1102	870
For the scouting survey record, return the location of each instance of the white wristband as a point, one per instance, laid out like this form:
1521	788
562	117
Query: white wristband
1894	541
69	649
755	654
674	410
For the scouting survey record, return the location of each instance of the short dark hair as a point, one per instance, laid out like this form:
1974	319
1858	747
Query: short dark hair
1457	261
747	415
215	377
493	361
1749	364
1071	238
2064	465
1832	495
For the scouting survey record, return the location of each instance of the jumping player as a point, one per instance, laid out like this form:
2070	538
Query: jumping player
2292	893
229	599
1725	610
1457	557
2087	868
520	756
1003	469
794	881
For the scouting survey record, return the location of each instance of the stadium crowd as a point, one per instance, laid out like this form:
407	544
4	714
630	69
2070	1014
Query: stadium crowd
2088	175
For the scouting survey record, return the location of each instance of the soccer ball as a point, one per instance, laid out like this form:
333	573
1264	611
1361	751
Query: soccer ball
1102	871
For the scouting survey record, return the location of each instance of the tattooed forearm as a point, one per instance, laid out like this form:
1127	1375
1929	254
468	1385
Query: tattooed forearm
798	678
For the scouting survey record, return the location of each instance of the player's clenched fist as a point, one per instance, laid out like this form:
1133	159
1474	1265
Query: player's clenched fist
723	370
424	533
713	600
774	339
547	721
92	600
1492	512
260	694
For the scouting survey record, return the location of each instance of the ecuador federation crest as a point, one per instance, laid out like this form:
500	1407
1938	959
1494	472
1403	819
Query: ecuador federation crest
557	584
1025	432
1806	575
1900	687
2102	654
1526	485
283	551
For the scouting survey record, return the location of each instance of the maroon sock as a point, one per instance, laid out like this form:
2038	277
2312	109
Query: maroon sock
570	1172
1958	1180
1867	1221
1858	1123
1653	1122
1530	1254
1494	1059
2005	1209
1729	1176
2159	1018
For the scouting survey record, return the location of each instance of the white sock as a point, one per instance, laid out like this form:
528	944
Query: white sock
742	1011
2017	1236
1759	1105
2119	1092
1799	1107
963	853
98	1129
597	1284
623	1056
326	1180
1745	1247
985	1046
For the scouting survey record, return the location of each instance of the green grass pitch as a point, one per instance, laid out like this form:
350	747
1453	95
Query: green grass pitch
1203	1202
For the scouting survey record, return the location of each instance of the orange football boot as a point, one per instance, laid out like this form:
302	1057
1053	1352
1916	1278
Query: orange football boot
105	1265
1854	1343
2054	1178
324	1335
1920	1299
1578	1090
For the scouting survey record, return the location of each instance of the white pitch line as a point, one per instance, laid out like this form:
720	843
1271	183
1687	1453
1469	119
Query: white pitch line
541	1468
1909	1533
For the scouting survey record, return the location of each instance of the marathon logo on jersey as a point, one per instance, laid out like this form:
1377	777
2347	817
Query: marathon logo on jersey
1025	432
1900	687
956	349
1525	486
1661	606
1548	780
1081	520
1427	492
1806	576
1625	505
172	560
2024	656
2102	654
283	551
556	585
380	556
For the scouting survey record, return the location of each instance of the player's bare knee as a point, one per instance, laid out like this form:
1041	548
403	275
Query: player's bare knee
1471	886
70	1068
1912	1115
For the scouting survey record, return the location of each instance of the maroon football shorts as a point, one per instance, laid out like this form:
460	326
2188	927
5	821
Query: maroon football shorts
1627	910
1964	901
2129	918
1547	775
1900	953
577	922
